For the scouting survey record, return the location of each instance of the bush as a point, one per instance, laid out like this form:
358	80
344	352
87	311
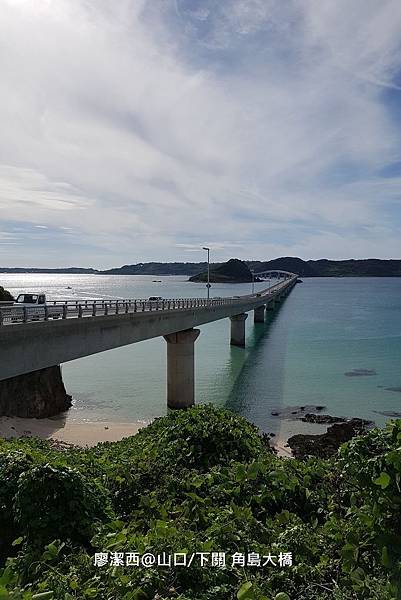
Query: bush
58	503
12	465
5	295
203	480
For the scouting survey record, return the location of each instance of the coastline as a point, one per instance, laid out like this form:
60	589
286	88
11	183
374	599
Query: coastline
85	434
90	433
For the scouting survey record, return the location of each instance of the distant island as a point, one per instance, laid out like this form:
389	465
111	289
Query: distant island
370	267
233	271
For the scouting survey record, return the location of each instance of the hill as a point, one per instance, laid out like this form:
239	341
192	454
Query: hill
233	271
370	267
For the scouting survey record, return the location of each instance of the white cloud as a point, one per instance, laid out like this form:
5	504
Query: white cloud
138	133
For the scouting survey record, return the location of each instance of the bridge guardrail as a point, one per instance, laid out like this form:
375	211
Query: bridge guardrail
65	309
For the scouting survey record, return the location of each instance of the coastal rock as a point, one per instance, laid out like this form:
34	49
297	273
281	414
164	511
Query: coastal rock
360	373
311	418
37	395
389	413
327	444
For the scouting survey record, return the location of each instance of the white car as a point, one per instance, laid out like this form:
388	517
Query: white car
37	308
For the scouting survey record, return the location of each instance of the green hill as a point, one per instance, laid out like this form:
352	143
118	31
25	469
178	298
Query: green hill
233	271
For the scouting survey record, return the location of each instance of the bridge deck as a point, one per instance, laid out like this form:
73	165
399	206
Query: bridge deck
68	309
31	339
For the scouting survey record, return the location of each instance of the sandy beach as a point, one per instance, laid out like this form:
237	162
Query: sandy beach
90	433
64	430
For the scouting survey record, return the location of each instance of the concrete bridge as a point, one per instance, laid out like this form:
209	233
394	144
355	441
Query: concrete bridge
35	338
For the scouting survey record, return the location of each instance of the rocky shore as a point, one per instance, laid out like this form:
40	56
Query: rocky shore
327	444
37	395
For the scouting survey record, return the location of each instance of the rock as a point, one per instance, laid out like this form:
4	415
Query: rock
275	414
327	444
360	373
389	413
302	407
39	395
311	418
320	407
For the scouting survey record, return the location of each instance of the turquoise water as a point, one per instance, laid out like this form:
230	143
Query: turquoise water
325	328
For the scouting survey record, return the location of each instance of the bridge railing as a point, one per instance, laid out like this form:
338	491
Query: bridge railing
64	309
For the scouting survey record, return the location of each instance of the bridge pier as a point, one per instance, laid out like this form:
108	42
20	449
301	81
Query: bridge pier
238	329
181	368
270	305
259	314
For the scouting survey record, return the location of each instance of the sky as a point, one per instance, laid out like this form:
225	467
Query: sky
134	131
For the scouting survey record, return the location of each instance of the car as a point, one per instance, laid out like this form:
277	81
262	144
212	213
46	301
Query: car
32	301
155	298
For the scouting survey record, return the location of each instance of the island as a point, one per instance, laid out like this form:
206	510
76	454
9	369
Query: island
369	267
233	271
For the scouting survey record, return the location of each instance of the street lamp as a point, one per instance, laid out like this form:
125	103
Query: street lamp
208	271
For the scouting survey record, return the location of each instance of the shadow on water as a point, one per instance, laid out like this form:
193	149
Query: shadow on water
258	387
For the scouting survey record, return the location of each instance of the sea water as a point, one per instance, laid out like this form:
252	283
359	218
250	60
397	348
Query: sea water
333	342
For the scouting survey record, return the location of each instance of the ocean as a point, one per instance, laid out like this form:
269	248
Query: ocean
333	342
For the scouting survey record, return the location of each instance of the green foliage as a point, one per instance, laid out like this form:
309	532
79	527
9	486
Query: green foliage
5	295
58	502
202	480
12	465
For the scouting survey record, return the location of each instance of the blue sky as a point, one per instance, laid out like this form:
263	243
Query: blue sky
135	131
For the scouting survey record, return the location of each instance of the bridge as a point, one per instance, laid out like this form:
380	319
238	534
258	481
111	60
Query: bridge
34	338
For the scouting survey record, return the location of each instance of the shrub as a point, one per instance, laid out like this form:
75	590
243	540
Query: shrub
5	295
12	465
58	502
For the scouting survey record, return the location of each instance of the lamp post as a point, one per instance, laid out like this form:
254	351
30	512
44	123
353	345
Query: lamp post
253	282
208	271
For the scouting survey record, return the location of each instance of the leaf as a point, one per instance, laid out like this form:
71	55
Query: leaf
18	541
245	592
282	596
385	557
253	470
4	595
383	480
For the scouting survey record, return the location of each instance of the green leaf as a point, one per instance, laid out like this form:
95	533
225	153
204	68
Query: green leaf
385	557
245	592
43	596
383	480
282	596
4	595
18	541
253	470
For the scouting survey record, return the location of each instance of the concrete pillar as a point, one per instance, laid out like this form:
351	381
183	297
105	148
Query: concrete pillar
259	314
270	305
238	329
181	368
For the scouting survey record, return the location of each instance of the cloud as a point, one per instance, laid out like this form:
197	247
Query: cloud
138	130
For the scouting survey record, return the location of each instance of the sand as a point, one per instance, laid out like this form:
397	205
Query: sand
64	430
86	434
